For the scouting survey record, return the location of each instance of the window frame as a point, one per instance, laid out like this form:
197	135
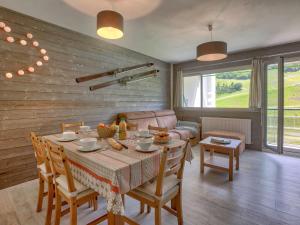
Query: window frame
203	73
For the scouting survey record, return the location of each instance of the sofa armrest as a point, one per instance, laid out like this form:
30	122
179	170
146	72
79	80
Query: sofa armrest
181	123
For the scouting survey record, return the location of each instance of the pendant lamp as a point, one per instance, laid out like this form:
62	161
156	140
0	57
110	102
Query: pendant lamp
110	24
212	50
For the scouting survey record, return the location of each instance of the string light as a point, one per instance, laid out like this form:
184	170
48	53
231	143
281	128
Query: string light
23	42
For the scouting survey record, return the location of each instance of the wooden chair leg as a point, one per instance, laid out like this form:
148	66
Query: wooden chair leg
95	203
148	209
179	208
142	207
50	202
157	216
40	194
73	212
57	208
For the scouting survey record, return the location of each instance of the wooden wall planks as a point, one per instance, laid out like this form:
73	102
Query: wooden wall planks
41	101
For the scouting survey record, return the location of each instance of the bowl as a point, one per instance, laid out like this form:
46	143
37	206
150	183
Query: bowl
145	144
68	135
88	142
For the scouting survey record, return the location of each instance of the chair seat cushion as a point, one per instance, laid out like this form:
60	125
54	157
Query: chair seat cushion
43	170
169	183
63	185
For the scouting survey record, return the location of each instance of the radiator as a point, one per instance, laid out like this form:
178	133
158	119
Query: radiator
236	125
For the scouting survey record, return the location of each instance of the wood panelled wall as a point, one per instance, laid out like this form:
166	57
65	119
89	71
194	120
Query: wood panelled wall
41	101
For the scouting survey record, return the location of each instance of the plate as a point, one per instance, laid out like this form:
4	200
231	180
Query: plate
151	149
85	149
62	139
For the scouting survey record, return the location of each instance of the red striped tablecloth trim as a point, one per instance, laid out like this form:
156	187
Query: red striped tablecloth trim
113	188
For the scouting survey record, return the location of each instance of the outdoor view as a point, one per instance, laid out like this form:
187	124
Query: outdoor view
221	90
291	104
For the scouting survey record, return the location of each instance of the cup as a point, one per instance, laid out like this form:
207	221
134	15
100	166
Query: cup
84	128
88	142
145	144
68	135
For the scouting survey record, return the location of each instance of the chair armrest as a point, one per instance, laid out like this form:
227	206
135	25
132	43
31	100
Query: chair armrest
165	129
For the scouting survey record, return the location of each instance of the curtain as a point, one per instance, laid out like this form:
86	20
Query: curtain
255	84
178	89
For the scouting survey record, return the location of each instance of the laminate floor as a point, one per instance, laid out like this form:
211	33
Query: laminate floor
265	191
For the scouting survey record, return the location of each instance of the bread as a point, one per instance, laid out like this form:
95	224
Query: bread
114	144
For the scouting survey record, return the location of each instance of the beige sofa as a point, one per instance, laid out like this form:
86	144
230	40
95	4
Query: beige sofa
164	119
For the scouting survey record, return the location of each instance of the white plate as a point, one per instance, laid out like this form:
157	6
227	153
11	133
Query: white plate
85	149
62	139
152	148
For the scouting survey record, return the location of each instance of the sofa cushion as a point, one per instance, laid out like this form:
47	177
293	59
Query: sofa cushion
142	124
184	134
164	113
194	131
139	115
167	121
174	135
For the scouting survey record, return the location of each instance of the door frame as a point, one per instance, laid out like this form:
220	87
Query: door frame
280	118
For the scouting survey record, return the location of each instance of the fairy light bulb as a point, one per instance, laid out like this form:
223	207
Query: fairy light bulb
31	69
10	39
39	63
7	29
43	51
35	44
23	42
2	25
46	58
21	72
29	35
9	75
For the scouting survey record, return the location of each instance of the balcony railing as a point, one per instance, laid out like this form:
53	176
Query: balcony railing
291	127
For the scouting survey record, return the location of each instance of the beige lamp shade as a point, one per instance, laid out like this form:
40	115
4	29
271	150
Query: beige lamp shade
110	24
212	51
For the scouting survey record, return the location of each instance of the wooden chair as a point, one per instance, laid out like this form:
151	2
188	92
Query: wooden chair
167	186
72	126
44	175
66	187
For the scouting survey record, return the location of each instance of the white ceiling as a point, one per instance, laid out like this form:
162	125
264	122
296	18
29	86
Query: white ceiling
170	30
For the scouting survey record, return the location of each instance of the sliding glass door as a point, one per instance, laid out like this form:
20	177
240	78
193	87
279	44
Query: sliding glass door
282	105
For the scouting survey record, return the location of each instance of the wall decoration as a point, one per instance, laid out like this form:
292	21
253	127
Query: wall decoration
27	40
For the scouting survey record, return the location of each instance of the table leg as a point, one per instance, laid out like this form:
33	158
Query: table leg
231	153
202	149
237	157
115	219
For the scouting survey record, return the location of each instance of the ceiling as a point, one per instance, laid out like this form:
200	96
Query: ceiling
170	30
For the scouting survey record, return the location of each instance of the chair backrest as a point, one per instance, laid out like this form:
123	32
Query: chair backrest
72	126
59	164
172	163
40	152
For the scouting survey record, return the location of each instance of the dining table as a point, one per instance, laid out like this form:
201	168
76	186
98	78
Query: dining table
112	173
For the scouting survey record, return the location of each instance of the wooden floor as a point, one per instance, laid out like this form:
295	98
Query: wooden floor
266	191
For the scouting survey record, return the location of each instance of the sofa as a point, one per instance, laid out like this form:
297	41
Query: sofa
163	119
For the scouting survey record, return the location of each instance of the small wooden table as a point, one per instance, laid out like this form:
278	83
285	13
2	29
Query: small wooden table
231	149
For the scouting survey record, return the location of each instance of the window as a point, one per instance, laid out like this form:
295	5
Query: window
225	89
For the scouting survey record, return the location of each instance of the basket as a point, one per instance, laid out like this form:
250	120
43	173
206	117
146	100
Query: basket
105	132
